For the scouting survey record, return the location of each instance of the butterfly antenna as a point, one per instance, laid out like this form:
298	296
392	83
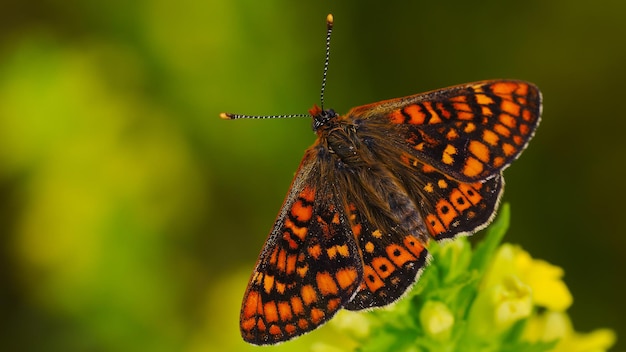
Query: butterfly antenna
329	31
229	116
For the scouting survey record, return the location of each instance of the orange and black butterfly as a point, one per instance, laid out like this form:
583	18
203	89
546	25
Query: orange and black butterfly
378	183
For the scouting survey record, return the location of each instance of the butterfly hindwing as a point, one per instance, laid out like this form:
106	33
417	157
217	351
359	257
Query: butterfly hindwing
393	261
388	228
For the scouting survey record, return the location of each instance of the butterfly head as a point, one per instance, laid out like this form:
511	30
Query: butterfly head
321	116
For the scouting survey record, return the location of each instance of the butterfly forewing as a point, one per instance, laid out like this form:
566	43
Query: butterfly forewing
310	266
469	132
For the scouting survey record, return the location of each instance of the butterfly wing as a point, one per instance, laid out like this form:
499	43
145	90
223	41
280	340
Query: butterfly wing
469	132
449	147
387	227
393	262
310	266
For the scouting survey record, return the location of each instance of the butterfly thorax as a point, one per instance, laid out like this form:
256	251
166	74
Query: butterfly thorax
337	136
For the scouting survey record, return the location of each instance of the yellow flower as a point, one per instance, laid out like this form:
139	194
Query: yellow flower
499	306
436	319
552	326
512	301
543	278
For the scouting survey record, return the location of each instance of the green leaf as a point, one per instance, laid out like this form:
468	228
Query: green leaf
485	249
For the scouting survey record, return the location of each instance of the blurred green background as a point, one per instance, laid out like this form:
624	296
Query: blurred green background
131	215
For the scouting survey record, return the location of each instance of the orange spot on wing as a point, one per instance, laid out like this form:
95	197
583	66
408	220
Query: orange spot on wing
308	194
490	137
372	280
302	270
260	325
503	88
280	287
473	167
508	149
301	212
510	107
290	329
270	312
416	114
325	284
284	311
281	265
483	99
398	255
296	305
524	129
414	245
501	130
333	304
396	117
507	120
471	193
303	324
446	212
315	251
427	168
461	107
452	134
469	128
275	330
291	264
317	315
248	324
459	99
251	304
268	283
434	225
346	277
479	150
308	294
447	156
528	116
380	263
522	89
458	200
464	115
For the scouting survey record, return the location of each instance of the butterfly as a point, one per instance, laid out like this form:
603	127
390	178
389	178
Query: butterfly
376	186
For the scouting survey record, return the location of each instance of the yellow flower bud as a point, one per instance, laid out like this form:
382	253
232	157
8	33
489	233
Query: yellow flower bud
436	319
